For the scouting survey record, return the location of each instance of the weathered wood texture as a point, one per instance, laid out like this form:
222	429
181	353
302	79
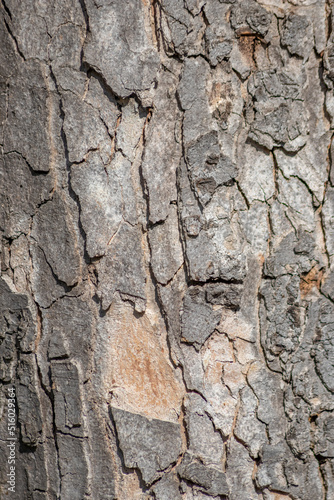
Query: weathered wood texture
167	246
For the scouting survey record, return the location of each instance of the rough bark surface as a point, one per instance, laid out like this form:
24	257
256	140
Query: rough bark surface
167	248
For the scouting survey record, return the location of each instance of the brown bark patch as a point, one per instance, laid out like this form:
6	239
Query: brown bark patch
246	43
139	376
310	280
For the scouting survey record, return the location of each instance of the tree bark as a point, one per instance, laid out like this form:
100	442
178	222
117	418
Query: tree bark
167	245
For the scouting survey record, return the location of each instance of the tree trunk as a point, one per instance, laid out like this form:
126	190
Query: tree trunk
167	239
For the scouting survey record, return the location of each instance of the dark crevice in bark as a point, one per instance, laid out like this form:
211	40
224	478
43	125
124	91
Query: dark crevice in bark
85	14
72	193
232	281
107	90
242	194
323	87
329	22
59	282
11	34
34	173
48	392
